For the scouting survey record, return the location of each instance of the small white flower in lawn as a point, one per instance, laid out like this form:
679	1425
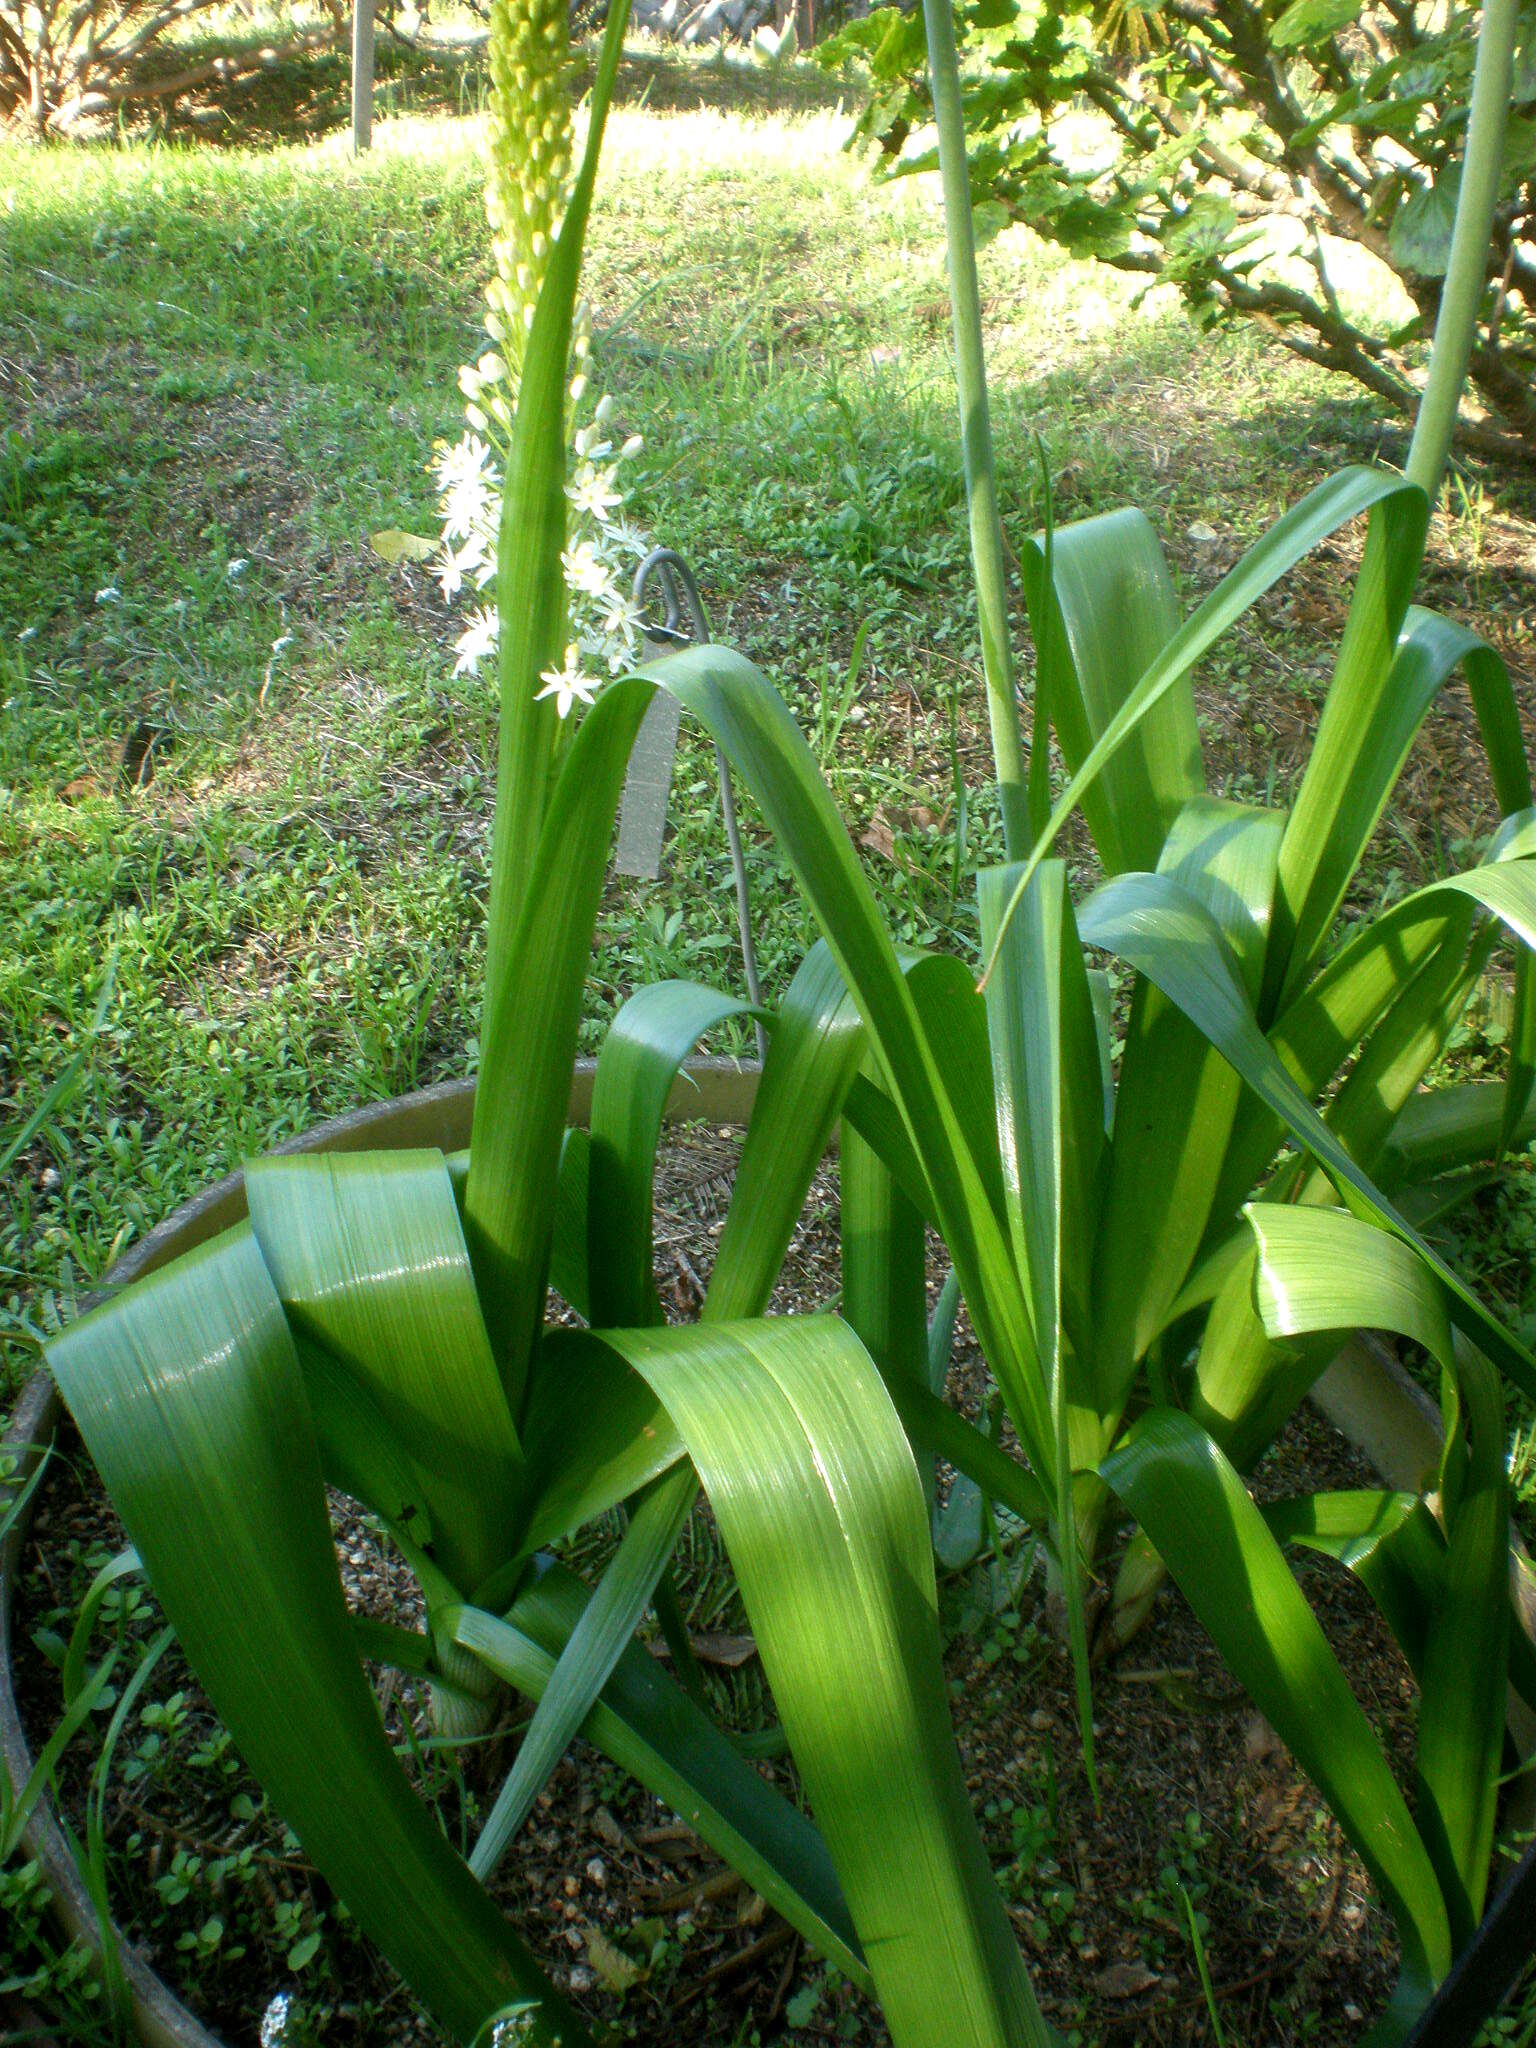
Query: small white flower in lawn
27	633
109	594
569	685
475	642
237	567
631	447
283	640
274	2021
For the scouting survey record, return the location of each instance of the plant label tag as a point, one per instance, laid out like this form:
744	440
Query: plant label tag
648	783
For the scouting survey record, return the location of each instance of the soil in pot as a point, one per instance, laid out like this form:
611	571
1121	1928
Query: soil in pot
657	1941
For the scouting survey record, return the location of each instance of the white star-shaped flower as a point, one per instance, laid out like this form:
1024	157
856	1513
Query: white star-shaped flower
476	641
622	617
585	572
455	566
569	685
593	495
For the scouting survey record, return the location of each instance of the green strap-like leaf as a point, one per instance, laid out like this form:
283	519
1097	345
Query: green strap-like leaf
1171	939
1321	1030
644	1046
1196	1510
802	1456
1323	511
1177	1097
1354	768
1048	1104
954	1020
1389	567
368	1258
568	1273
596	1643
650	1727
884	1258
1445	1129
1246	1383
1398	1054
188	1394
1461	1710
583	1458
1322	1270
812	1057
1389	1541
933	1426
359	1452
510	1197
749	720
17	1805
1110	609
1048	1099
596	1435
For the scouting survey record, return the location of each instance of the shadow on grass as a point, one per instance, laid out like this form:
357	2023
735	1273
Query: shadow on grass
301	98
1349	425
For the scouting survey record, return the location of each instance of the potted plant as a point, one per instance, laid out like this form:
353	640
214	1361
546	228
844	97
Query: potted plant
380	1320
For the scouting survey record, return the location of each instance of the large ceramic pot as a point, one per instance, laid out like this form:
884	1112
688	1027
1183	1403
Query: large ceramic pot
1363	1393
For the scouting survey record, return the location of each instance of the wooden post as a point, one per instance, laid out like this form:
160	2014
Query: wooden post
362	75
805	24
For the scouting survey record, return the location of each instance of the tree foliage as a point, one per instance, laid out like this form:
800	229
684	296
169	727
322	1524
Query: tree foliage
62	61
1238	144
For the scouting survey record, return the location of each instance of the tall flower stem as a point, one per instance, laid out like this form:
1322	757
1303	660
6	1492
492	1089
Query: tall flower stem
1466	271
976	430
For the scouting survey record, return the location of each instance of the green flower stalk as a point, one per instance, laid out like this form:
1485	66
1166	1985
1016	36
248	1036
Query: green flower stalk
528	179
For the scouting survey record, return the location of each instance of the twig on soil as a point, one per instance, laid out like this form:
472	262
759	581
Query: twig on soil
734	1965
786	1977
719	1884
207	1848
